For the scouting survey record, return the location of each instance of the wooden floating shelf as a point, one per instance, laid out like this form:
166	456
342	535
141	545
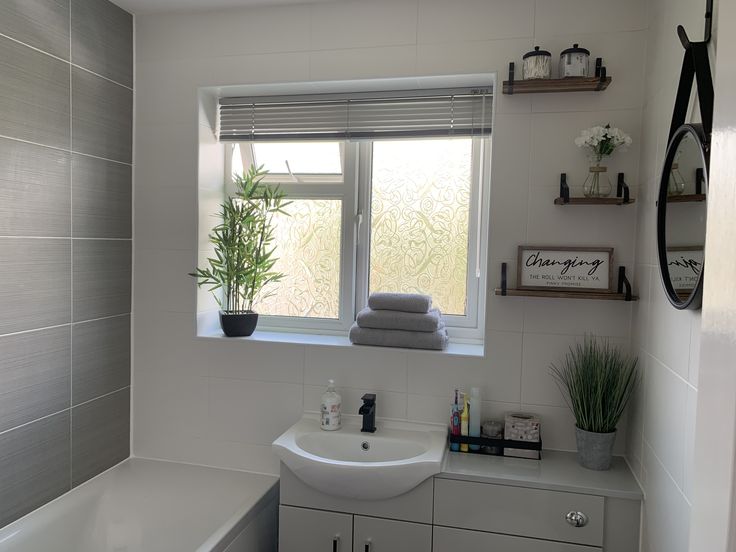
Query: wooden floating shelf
593	201
602	295
687	198
544	86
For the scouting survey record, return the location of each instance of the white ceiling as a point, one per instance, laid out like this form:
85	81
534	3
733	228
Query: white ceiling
157	6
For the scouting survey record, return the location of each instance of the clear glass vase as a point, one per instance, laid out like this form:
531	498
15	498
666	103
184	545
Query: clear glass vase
597	184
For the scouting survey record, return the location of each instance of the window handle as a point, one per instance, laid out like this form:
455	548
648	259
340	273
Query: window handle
336	543
288	168
368	545
359	224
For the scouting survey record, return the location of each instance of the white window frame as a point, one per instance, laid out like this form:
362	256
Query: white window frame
353	187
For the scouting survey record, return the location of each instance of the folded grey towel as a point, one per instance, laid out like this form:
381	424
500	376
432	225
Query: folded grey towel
407	302
399	320
399	338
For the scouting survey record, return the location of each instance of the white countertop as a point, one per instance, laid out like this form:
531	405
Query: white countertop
556	471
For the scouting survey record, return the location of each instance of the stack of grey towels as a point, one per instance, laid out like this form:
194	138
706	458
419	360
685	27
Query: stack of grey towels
400	320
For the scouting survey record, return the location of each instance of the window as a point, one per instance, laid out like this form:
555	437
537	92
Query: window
380	208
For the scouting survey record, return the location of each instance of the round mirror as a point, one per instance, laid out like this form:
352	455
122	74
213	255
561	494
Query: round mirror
681	217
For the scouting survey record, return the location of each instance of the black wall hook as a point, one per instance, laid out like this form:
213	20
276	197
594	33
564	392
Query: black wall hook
685	40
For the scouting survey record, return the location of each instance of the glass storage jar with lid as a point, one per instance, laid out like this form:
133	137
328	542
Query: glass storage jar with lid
574	62
537	64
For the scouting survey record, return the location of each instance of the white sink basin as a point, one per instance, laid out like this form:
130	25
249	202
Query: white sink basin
367	466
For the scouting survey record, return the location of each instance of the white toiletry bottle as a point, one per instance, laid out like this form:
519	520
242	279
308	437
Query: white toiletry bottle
330	410
474	424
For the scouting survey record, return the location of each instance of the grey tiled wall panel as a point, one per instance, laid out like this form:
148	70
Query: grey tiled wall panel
35	375
43	24
34	95
101	357
36	283
102	39
100	435
35	199
102	198
102	276
34	466
102	117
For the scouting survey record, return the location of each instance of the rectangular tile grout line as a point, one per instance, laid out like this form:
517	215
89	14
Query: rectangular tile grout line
66	150
71	252
20	426
105	395
64	60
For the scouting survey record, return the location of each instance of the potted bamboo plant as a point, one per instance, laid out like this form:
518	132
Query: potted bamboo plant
597	380
242	266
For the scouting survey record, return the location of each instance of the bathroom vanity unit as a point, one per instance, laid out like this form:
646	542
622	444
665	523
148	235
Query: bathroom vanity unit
476	502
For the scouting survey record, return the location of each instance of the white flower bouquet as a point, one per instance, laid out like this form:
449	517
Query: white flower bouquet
602	141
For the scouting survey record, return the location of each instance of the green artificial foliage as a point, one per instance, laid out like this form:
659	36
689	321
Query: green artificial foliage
597	380
244	249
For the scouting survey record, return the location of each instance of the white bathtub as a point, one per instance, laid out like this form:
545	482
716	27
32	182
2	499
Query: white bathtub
154	506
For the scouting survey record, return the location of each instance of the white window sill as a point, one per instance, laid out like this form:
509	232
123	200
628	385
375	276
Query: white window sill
265	336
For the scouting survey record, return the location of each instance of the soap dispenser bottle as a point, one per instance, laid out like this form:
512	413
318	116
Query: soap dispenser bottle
330	409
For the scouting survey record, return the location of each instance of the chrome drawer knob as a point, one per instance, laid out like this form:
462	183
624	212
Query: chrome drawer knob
576	519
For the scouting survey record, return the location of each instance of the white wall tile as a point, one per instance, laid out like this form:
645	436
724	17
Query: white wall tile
689	445
274	362
363	63
436	410
441	21
162	280
670	332
577	317
498	374
186	36
665	417
666	512
251	412
365	368
356	24
586	16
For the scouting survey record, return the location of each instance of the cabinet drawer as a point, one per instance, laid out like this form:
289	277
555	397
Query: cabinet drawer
452	540
385	535
303	530
517	511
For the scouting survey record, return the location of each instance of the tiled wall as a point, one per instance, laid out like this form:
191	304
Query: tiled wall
66	100
223	402
667	341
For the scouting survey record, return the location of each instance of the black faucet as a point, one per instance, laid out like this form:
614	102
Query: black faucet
368	411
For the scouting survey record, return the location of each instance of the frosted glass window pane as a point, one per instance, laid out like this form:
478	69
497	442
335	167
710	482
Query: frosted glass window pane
419	219
303	157
308	251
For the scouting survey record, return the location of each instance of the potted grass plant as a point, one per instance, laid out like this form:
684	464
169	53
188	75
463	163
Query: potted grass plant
244	251
597	380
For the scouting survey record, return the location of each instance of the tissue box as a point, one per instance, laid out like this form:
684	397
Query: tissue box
522	427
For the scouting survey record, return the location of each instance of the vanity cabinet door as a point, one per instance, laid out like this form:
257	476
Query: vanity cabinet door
385	535
452	540
304	530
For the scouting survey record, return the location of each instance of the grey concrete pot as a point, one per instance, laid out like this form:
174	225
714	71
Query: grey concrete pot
595	450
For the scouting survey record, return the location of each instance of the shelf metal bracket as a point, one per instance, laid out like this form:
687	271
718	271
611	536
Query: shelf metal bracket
623	283
512	66
622	189
564	188
503	279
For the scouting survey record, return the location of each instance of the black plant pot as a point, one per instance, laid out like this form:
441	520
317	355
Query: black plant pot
238	324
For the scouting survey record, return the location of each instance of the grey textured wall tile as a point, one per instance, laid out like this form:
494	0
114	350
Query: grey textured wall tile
102	198
101	357
102	39
35	375
36	283
100	435
34	190
34	95
34	466
102	272
43	24
102	117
